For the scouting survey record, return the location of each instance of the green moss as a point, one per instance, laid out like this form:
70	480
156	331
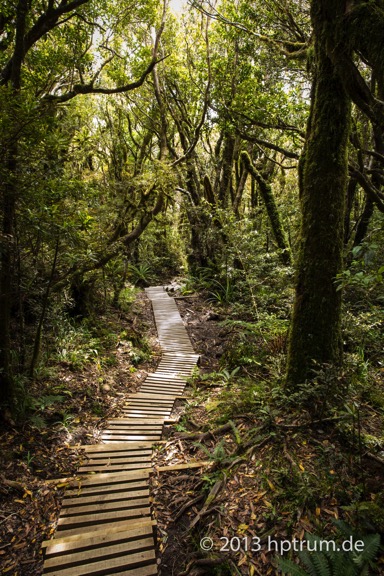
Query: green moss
270	204
315	336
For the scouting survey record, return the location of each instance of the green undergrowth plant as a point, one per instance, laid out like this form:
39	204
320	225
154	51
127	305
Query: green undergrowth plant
34	410
218	454
323	559
254	344
127	297
140	274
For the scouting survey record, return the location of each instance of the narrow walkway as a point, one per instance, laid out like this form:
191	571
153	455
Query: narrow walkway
105	525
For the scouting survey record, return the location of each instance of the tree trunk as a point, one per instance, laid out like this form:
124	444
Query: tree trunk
351	195
224	182
270	204
9	195
315	336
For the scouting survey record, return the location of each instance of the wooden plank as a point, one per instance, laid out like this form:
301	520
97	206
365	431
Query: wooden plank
115	461
193	356
163	376
173	335
87	538
109	497
157	404
160	392
141	396
169	388
120	458
121	448
107	489
118	437
83	523
129	414
140	413
175	382
164	380
143	571
126	562
78	541
152	412
135	432
185	466
148	406
103	478
115	464
135	400
116	544
122	504
75	559
112	454
147	395
177	364
95	468
139	429
156	422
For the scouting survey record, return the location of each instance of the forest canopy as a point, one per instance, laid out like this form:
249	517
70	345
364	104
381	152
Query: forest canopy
139	139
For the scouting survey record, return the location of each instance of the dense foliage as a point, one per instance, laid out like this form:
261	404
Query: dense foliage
238	146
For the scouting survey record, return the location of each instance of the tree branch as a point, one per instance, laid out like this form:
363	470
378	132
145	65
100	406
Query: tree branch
262	142
372	192
91	89
44	24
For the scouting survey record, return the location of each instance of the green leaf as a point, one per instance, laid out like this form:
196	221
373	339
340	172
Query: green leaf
290	568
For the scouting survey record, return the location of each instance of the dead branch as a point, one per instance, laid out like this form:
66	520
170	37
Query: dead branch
375	458
200	437
12	484
188	505
210	498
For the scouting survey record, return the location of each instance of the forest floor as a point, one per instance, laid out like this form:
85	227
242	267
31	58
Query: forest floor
270	475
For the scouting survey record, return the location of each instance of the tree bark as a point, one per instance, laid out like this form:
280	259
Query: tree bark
273	213
9	195
315	336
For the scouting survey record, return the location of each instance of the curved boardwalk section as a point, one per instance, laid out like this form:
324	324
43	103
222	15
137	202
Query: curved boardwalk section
105	526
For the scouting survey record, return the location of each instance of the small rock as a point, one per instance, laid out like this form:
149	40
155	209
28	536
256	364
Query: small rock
105	388
211	316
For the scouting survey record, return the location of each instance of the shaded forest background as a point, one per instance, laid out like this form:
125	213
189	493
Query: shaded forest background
238	147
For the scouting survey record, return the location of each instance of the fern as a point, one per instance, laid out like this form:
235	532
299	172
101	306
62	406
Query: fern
334	562
317	564
290	568
371	547
37	421
235	431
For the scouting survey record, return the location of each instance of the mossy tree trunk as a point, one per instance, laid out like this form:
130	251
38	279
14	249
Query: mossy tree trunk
9	195
270	204
315	336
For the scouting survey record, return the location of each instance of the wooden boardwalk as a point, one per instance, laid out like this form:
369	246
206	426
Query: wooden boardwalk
105	526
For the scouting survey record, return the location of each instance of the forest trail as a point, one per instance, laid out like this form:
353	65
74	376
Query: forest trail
105	525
